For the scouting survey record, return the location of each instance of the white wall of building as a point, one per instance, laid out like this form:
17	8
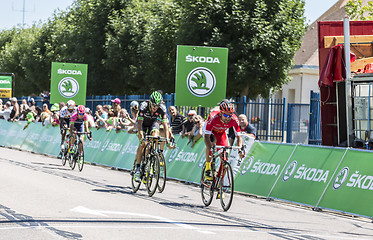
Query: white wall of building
303	80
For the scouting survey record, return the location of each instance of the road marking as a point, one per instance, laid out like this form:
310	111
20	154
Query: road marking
82	209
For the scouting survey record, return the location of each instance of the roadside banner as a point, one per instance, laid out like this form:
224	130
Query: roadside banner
262	167
6	86
307	174
201	75
128	151
351	188
182	162
68	82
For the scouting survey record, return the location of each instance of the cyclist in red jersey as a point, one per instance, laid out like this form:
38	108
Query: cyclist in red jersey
214	133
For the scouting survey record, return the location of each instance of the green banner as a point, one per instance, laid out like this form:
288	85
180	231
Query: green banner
5	86
307	174
262	167
201	75
182	161
68	82
351	188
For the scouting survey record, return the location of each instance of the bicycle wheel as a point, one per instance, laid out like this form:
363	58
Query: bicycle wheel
73	157
207	191
80	158
135	185
152	174
162	173
64	157
226	186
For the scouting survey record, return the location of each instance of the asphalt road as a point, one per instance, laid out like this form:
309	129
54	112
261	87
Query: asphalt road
41	199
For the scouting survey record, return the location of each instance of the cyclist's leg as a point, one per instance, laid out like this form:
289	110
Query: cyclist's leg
209	138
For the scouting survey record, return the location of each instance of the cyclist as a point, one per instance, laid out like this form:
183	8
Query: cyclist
65	114
214	133
147	123
79	123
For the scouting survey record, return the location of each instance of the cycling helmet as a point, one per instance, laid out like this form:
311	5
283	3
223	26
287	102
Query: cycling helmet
55	107
81	109
226	106
70	104
156	98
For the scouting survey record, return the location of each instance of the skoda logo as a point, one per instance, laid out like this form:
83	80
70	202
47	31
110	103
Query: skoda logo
341	178
201	82
68	87
289	171
247	165
104	146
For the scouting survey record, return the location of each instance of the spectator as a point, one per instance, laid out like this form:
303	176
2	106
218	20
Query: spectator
101	116
91	120
23	110
116	107
46	118
134	112
123	121
7	111
46	109
197	130
45	95
55	114
111	121
30	117
31	102
1	104
15	111
188	125
177	120
245	126
37	113
61	105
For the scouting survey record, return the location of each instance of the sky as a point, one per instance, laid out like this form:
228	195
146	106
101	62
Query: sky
12	10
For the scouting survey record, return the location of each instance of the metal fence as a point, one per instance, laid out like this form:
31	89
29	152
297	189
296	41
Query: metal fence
315	120
297	123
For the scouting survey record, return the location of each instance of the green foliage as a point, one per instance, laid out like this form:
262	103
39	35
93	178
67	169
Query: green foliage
357	11
130	45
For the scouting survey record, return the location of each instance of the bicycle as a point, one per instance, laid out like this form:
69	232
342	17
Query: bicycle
64	153
73	151
162	163
149	166
222	178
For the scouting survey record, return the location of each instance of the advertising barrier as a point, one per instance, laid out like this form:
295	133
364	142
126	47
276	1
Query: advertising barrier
322	177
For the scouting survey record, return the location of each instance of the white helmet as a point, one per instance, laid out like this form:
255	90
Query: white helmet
70	105
134	104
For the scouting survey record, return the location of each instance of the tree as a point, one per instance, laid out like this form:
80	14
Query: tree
357	11
262	38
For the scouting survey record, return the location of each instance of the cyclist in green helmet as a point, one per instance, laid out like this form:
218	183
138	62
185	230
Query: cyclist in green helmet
151	112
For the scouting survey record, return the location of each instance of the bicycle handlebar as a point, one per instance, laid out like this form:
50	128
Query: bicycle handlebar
160	139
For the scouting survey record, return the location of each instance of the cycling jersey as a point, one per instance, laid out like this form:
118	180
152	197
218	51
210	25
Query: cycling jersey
79	122
215	126
146	116
65	113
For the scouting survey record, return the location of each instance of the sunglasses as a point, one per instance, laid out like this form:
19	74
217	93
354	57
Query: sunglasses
81	113
227	115
155	105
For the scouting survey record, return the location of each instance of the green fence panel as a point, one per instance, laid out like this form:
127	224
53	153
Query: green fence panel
261	168
50	140
351	188
181	162
3	132
31	142
127	154
307	174
96	146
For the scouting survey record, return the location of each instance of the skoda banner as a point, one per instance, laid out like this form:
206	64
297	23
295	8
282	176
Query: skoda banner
5	86
68	82
201	75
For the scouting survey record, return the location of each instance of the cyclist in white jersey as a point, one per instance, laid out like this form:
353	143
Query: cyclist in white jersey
65	115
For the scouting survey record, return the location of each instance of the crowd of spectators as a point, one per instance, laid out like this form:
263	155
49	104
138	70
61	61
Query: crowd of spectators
111	117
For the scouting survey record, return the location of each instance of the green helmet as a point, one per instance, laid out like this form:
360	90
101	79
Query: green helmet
55	107
156	98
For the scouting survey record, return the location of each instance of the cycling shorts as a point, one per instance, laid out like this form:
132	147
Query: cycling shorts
149	129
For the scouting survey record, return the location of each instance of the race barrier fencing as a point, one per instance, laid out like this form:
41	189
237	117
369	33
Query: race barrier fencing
337	179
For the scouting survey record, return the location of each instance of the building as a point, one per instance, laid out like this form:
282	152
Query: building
305	74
